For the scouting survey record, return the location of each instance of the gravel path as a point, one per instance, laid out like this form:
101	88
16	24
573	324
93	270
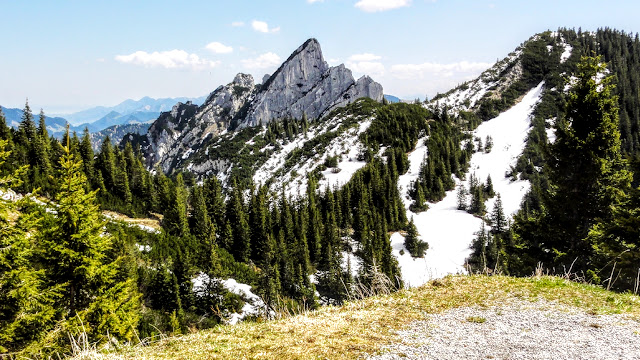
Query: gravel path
519	330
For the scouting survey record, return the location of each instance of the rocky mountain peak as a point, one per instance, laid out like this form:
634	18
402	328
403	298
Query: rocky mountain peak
244	80
303	85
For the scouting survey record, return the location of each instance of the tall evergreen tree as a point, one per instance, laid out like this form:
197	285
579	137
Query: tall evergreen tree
498	220
175	220
586	170
314	226
413	243
76	248
203	229
237	218
26	302
87	155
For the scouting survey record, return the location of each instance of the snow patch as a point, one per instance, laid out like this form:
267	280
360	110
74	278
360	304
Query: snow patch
450	231
254	305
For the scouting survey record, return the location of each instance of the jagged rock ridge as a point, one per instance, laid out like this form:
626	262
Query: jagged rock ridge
303	85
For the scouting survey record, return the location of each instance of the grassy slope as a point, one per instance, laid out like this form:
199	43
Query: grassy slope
361	327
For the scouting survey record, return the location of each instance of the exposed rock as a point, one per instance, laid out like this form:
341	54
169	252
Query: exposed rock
304	84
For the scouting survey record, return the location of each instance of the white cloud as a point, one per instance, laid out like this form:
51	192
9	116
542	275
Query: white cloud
409	81
219	48
429	70
173	59
367	68
237	23
381	5
263	27
364	57
264	61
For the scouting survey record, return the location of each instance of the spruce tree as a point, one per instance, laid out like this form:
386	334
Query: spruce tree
498	220
413	243
488	187
87	155
237	218
314	227
75	248
203	230
175	220
27	307
586	171
462	197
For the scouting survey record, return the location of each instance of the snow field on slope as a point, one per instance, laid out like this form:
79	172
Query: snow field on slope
475	89
346	146
449	231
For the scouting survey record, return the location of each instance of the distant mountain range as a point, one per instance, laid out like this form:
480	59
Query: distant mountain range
128	112
392	99
55	125
127	107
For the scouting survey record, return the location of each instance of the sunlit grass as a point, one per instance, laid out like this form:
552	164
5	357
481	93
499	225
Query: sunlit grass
362	327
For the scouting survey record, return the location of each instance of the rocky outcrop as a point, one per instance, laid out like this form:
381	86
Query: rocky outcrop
303	85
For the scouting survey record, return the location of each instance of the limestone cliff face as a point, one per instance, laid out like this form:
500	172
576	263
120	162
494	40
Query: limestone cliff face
186	125
304	84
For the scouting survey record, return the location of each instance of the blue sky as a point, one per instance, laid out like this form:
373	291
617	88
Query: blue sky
70	55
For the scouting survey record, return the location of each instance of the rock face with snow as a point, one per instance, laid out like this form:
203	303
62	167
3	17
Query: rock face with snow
303	85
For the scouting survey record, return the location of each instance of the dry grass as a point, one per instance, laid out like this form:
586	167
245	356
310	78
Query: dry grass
362	327
152	223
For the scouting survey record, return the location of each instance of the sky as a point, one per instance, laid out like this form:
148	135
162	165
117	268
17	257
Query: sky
70	55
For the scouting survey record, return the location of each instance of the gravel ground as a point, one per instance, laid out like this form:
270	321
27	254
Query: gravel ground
519	330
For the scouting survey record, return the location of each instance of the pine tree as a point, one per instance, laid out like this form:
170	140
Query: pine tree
87	155
478	258
5	131
27	128
106	164
42	130
214	198
488	187
477	201
488	144
420	203
203	230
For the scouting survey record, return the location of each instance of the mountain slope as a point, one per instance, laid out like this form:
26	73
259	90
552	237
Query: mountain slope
449	246
303	87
